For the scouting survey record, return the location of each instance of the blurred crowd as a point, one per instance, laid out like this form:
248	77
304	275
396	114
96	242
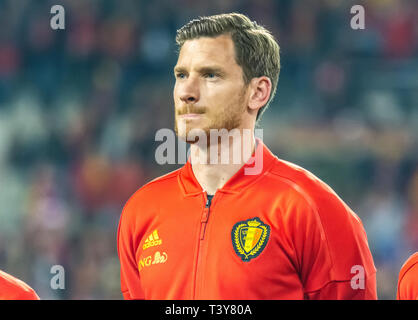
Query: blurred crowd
79	109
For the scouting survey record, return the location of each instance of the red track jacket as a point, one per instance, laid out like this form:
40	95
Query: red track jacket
408	279
280	234
12	288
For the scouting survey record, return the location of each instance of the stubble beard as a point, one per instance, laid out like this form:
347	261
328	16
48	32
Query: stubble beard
224	120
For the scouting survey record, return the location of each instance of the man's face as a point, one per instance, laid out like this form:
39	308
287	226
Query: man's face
209	92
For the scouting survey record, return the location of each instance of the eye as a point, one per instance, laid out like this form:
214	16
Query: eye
180	75
210	75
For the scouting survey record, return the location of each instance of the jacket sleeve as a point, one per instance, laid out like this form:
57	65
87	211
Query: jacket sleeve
332	254
345	290
129	275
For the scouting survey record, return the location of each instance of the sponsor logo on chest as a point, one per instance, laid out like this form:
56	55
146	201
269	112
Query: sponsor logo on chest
157	258
153	240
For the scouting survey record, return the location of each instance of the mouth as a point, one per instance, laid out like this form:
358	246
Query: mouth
190	116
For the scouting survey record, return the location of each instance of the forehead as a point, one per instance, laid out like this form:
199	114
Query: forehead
219	50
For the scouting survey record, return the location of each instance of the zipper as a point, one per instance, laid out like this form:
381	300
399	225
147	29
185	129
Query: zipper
205	217
203	223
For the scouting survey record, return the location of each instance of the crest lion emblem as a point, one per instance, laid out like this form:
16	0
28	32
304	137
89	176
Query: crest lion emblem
249	238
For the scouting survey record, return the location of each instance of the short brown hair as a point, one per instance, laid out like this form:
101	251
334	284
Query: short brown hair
256	50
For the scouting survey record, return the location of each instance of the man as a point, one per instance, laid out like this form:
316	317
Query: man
12	288
216	230
408	279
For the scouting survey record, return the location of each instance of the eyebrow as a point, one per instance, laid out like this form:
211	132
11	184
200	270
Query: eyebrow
179	69
202	70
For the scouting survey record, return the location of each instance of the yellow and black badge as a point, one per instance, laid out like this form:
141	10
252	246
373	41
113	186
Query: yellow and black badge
249	238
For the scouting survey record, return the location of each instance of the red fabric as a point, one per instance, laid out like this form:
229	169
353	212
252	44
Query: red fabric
408	279
315	239
12	288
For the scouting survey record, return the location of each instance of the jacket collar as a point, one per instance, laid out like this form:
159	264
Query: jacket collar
239	181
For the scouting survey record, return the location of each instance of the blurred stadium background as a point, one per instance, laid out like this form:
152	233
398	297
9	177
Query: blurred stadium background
79	109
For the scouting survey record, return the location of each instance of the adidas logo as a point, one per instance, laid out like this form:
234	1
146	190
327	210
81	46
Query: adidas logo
153	240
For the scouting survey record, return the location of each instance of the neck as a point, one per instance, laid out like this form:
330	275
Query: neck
216	162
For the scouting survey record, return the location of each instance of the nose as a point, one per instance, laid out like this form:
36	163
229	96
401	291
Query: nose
189	91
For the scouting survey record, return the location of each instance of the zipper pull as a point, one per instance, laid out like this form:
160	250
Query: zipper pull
205	216
203	222
208	201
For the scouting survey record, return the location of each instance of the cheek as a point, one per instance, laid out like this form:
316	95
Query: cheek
229	98
175	95
176	91
220	94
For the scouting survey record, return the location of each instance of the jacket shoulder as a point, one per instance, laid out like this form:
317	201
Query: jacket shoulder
304	182
409	264
156	186
151	192
15	289
342	228
408	279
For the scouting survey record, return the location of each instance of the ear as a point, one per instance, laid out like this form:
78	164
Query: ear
260	89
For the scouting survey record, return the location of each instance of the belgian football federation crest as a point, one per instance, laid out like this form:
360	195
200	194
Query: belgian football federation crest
249	238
